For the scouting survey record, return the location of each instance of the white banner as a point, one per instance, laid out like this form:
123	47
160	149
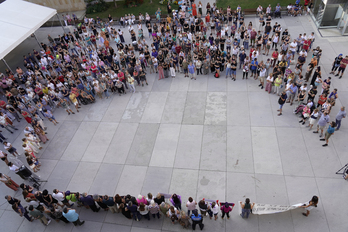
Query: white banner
270	209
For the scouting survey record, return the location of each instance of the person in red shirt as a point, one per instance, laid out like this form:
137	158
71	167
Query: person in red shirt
342	67
94	70
306	44
207	18
178	49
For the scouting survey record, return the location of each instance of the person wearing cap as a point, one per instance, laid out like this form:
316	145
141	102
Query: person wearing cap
343	65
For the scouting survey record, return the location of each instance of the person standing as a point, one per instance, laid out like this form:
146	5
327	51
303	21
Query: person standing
185	67
22	211
5	122
88	201
196	219
311	205
3	157
72	216
60	196
191	205
191	70
134	210
226	209
8	182
246	208
343	65
336	63
39	215
341	114
205	66
176	201
110	202
323	120
160	72
281	102
48	114
330	131
10	149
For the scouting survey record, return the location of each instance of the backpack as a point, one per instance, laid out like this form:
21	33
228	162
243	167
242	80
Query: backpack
216	75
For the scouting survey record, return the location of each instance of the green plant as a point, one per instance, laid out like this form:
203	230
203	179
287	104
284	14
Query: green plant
96	6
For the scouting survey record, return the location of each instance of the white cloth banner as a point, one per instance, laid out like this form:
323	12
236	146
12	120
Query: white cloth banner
270	209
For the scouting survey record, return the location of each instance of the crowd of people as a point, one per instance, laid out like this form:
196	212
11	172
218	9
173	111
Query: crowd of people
58	206
76	68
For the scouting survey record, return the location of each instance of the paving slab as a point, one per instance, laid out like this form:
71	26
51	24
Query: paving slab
213	156
195	108
100	142
239	150
163	154
142	147
266	151
174	108
120	144
188	152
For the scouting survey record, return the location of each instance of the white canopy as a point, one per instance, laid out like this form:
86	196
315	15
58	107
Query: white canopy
18	20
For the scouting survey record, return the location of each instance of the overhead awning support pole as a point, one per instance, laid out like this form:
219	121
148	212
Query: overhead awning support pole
38	42
61	24
7	65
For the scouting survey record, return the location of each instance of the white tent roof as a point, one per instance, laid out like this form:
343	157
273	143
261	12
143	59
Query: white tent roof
18	20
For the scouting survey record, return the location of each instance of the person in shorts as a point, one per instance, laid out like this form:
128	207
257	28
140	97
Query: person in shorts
311	205
64	104
74	100
191	71
48	114
330	131
323	120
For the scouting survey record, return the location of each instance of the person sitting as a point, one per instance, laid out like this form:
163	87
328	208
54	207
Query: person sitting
87	96
277	12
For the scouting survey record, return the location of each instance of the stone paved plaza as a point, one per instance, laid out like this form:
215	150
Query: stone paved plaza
211	138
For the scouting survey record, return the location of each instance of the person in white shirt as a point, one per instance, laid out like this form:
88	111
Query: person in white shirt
293	46
214	210
312	38
190	205
268	10
60	196
262	76
130	28
303	87
259	9
269	82
303	52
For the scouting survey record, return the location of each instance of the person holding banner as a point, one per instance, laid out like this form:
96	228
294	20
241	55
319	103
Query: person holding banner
226	209
311	205
246	208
